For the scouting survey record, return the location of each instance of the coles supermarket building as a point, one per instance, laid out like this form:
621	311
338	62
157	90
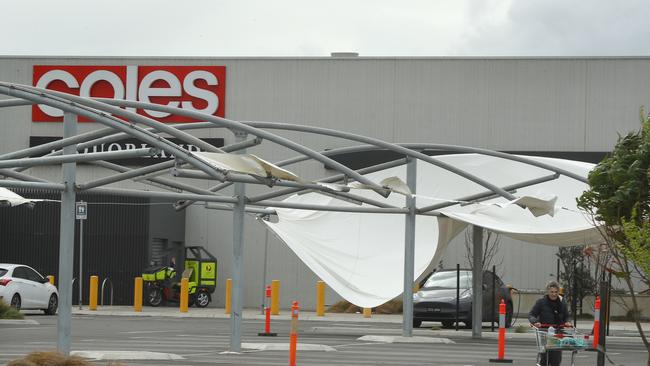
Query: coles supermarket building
558	107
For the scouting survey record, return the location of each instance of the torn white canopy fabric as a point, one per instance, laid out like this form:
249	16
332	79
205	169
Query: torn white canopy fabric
9	198
247	164
361	255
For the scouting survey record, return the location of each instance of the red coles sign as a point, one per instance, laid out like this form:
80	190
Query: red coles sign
193	88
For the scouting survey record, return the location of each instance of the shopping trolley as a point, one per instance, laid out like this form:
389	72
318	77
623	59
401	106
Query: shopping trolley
564	339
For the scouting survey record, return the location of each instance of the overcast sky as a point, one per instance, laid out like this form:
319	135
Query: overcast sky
308	28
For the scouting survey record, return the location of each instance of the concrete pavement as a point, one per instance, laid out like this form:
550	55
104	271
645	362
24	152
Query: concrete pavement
255	314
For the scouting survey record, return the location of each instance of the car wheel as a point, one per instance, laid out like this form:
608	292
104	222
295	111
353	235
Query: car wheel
52	305
447	323
202	299
468	324
15	302
417	323
509	310
154	297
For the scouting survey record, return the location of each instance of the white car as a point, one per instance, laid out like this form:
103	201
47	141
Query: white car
24	288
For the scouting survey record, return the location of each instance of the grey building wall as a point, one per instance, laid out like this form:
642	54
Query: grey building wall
537	104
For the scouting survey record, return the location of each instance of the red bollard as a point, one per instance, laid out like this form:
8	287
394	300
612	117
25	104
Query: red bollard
502	335
267	322
293	337
596	323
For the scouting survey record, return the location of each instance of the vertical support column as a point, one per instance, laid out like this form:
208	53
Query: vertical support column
477	281
409	250
237	258
66	240
81	261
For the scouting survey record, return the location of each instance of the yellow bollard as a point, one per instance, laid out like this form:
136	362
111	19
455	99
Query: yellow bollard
185	286
320	298
137	295
92	301
228	295
51	278
275	297
367	312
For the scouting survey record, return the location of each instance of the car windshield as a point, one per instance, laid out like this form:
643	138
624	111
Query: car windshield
2	272
447	279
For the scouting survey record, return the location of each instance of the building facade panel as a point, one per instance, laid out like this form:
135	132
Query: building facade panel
540	105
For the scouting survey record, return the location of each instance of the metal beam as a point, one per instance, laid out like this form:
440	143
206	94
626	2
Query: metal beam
66	243
331	179
483	195
131	116
77	158
409	250
237	258
477	281
42	96
250	210
304	206
20	176
33	185
235	125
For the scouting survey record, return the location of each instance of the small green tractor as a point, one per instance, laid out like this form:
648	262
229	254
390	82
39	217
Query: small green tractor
162	284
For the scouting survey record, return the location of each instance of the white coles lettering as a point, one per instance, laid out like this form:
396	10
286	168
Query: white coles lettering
146	90
191	89
49	77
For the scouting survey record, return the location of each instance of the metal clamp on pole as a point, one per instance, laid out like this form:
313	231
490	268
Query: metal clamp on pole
107	279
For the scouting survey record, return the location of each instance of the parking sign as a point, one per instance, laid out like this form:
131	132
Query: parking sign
81	210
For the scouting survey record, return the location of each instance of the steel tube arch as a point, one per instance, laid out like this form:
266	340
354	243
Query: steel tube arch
110	121
131	116
253	131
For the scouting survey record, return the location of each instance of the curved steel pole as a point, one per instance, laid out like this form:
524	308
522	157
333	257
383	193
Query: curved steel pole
234	125
131	116
100	117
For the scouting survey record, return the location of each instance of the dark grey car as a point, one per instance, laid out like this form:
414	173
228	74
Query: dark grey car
436	300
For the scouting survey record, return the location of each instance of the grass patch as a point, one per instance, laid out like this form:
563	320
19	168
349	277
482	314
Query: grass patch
54	359
7	312
522	329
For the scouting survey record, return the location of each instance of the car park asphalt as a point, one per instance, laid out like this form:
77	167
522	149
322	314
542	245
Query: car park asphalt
201	336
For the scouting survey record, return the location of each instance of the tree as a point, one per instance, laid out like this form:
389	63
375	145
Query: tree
576	275
491	243
619	200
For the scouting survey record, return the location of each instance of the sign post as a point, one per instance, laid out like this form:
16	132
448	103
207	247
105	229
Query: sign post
81	213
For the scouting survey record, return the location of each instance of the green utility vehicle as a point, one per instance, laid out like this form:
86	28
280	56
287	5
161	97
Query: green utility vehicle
162	284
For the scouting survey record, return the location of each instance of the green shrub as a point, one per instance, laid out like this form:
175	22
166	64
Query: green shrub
7	312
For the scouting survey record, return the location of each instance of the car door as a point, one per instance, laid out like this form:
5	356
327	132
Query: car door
40	291
24	287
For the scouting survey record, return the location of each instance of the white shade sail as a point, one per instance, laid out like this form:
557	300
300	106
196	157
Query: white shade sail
361	255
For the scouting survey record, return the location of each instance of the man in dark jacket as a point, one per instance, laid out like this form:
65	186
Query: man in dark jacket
550	310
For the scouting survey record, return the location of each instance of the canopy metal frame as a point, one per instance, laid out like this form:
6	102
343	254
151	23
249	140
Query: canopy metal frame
166	178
